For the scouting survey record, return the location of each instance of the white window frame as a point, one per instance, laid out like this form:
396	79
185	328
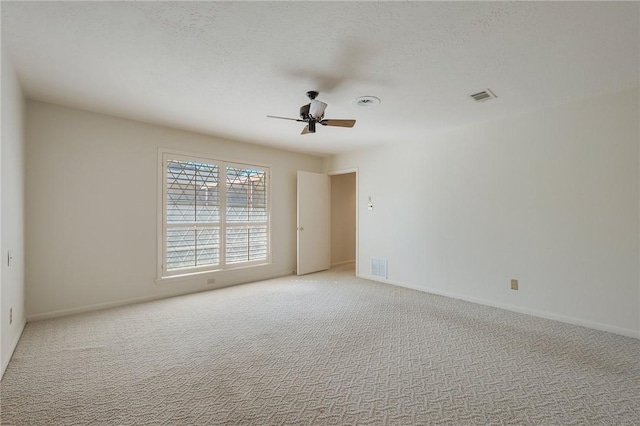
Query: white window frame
163	156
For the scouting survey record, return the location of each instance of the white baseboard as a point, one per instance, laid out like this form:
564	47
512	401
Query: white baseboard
533	312
344	262
107	305
14	343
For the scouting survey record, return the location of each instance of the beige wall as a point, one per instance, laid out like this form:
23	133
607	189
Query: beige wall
550	198
11	212
92	208
343	218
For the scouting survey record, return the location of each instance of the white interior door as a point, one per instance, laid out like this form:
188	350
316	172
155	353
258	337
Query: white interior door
314	216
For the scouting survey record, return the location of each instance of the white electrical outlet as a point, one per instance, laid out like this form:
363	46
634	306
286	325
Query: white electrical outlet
514	284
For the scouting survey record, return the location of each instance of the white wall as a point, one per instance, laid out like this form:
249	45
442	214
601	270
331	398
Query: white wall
343	218
550	198
92	209
11	212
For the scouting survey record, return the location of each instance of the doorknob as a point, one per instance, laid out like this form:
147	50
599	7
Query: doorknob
300	228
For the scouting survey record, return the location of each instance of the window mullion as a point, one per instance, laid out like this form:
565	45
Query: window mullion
190	224
240	224
195	217
222	195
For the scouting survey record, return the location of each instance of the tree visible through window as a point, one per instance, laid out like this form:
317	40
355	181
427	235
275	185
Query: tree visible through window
215	215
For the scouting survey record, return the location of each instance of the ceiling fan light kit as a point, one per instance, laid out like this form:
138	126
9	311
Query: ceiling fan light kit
317	109
313	113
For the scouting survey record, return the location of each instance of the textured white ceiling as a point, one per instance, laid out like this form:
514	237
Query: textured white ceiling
220	67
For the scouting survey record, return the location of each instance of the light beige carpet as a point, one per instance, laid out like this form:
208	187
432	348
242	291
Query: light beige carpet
322	349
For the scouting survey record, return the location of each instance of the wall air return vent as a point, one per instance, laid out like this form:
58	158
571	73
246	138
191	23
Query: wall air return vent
483	96
379	267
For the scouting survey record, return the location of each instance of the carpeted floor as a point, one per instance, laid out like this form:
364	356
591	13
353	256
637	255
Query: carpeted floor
326	348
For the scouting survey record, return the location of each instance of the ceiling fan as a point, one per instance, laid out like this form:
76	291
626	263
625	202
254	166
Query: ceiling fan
313	113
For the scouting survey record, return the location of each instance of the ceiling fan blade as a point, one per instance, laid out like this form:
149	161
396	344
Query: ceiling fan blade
284	118
305	130
338	123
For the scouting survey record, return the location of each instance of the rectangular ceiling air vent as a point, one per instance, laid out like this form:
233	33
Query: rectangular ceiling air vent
483	96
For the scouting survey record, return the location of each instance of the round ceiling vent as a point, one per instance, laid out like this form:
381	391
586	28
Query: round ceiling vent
366	101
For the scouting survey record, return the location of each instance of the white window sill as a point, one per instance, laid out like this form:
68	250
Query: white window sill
206	274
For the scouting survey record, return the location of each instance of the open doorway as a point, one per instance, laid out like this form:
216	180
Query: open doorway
343	220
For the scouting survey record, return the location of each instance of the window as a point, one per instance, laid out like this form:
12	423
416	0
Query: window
215	215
